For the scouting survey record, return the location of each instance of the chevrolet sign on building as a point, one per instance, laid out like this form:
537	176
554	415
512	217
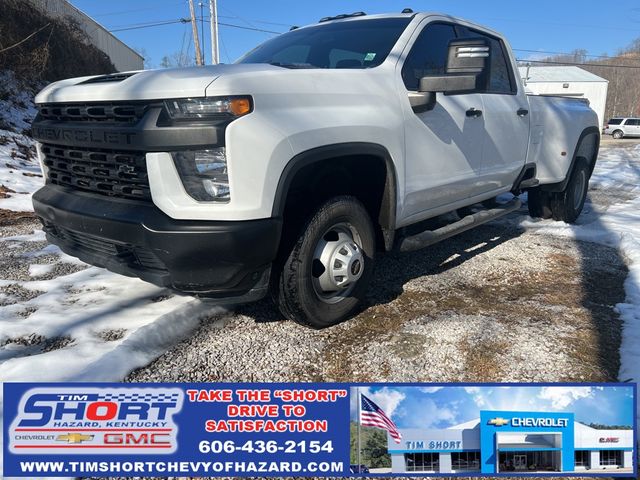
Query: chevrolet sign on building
502	442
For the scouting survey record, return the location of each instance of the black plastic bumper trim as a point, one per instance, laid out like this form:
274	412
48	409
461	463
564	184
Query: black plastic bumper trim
218	259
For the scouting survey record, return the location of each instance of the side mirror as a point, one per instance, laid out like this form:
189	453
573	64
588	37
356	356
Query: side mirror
467	69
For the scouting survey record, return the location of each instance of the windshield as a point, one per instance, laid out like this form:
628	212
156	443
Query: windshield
348	44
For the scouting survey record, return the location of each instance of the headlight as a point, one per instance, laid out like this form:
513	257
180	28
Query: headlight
208	108
204	174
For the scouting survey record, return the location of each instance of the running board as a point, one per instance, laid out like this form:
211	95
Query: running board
429	237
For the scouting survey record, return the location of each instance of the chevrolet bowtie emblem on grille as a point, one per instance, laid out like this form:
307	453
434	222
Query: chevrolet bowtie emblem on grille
74	438
498	421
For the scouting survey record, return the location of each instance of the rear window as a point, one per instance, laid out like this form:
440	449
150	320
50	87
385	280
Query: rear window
633	121
615	121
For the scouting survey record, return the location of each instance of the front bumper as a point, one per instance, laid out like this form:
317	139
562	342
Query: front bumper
224	260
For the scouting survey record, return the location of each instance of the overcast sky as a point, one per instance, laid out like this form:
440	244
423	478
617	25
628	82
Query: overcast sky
542	25
438	407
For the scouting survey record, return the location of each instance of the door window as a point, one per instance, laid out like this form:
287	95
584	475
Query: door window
501	79
428	56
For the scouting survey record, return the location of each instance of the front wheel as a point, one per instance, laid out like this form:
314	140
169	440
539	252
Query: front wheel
325	275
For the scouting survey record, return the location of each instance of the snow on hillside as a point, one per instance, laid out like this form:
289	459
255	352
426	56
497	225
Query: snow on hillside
20	173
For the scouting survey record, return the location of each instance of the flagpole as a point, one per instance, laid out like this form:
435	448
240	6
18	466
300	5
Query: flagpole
359	420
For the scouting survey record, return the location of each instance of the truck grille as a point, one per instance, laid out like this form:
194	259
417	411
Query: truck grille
133	256
126	113
113	173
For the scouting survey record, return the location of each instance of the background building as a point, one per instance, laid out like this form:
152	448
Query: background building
123	57
568	81
502	442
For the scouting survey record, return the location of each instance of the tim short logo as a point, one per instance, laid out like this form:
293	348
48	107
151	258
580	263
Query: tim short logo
96	420
498	421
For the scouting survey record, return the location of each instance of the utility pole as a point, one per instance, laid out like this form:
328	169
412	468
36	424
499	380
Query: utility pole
196	39
201	5
215	52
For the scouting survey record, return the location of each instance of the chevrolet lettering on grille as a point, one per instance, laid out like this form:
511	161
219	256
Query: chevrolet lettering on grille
73	136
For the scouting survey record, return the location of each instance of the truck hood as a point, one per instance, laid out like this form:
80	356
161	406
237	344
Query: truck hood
145	84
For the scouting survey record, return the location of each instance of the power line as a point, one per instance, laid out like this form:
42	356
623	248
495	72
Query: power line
158	24
575	64
563	53
249	28
185	20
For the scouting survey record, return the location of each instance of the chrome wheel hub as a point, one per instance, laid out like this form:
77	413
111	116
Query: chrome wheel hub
338	263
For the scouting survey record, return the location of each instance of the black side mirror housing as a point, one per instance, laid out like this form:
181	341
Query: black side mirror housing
467	71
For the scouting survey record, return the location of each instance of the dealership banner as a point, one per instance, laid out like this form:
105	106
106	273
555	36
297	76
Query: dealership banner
312	430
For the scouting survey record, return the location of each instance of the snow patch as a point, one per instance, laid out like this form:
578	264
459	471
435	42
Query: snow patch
617	225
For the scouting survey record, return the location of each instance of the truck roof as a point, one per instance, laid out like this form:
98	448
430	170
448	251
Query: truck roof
359	16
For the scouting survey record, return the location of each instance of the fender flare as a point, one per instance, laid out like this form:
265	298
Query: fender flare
387	215
560	186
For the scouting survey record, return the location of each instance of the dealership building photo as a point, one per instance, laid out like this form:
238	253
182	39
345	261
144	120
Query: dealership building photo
514	441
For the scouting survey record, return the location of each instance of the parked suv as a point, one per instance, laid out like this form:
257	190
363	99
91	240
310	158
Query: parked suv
623	127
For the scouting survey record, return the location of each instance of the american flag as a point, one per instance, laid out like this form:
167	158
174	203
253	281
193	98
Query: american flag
371	415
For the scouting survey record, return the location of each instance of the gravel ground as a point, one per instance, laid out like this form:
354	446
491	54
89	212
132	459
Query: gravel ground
495	304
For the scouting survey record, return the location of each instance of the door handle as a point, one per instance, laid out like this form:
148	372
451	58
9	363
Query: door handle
522	112
474	113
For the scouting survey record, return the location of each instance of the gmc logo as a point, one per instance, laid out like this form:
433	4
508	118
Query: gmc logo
139	439
609	440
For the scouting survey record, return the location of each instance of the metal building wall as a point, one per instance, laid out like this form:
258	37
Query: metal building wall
123	57
595	92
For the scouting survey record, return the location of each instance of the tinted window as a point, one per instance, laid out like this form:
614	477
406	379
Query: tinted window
345	44
428	56
633	122
615	121
500	77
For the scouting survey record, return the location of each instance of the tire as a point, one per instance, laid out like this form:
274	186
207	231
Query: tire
618	134
539	203
567	205
307	289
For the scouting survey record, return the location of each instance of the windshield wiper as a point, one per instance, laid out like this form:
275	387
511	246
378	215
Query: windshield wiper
292	65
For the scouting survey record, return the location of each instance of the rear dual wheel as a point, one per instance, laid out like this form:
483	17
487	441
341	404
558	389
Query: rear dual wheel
566	205
324	276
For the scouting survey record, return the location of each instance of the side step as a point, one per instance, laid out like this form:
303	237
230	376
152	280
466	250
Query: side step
429	237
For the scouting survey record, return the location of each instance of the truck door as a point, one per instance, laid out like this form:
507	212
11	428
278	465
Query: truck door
443	145
506	112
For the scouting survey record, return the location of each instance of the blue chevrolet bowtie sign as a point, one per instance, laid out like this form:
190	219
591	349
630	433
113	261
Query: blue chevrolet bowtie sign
543	431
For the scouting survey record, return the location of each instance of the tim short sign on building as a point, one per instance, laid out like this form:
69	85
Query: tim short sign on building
434	445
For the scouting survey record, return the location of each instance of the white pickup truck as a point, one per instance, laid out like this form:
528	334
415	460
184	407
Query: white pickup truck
288	170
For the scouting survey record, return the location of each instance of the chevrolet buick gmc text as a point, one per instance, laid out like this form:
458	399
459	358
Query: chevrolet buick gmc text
287	171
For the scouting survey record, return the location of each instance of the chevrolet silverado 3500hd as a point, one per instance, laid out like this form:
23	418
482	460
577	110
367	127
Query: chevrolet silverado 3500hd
288	170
